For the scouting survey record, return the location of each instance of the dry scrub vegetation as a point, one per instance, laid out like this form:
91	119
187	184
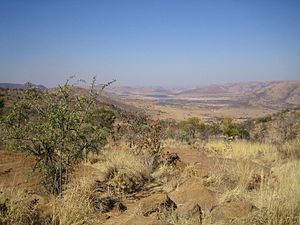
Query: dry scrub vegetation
146	171
244	150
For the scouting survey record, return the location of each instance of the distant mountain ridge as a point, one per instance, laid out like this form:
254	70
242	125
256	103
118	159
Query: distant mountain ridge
21	86
271	94
233	88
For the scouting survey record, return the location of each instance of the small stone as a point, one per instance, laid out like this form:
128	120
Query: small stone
121	207
232	210
141	220
191	211
193	190
104	204
156	203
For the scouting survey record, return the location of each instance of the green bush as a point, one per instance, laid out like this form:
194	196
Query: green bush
264	119
232	129
59	128
192	129
191	126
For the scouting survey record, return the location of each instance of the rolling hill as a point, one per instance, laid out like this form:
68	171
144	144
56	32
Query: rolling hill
20	86
283	94
238	100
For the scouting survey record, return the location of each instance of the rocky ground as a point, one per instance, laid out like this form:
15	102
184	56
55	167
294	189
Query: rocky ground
190	189
188	197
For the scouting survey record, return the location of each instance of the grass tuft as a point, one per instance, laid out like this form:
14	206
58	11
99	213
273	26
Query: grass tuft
74	207
124	171
18	207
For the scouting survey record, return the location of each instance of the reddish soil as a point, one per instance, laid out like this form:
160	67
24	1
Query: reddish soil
16	170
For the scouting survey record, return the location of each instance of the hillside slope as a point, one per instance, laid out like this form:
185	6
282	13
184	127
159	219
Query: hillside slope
270	94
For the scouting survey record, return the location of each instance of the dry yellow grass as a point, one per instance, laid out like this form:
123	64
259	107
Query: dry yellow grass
175	144
277	195
74	207
17	207
244	150
243	174
291	149
279	200
123	170
218	147
164	172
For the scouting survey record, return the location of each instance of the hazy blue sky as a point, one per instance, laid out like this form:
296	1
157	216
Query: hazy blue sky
154	42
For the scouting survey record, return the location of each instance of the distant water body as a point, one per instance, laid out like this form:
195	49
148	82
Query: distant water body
158	96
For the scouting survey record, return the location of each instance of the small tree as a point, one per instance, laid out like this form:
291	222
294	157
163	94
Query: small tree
150	142
58	127
191	128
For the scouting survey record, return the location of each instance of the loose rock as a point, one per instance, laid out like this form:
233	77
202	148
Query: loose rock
193	191
191	211
155	203
232	210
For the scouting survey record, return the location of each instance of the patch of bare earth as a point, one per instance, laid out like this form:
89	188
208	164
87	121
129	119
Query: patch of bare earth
16	171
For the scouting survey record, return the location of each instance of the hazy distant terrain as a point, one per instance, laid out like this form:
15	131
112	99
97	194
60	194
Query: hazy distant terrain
239	100
20	86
